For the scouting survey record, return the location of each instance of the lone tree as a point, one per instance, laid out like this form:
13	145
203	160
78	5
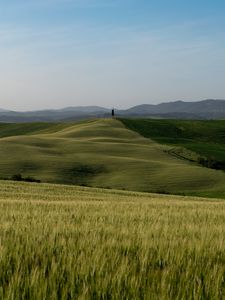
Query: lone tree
113	112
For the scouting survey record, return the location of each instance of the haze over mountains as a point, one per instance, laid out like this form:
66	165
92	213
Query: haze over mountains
205	109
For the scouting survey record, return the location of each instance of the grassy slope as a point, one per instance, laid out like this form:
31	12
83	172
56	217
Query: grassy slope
63	242
17	129
102	153
204	137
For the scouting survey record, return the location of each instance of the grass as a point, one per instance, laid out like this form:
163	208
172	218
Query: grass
18	129
102	153
64	242
207	138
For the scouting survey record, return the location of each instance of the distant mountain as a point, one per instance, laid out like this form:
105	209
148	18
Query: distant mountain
86	109
55	115
179	106
3	110
206	109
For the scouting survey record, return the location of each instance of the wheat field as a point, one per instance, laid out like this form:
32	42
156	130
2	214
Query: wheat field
64	242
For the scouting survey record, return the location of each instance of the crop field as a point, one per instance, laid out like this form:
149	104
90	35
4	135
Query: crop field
64	242
103	153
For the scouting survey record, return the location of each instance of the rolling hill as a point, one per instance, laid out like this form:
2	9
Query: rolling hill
101	153
206	138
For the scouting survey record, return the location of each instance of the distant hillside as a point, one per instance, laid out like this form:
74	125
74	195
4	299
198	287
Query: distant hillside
206	109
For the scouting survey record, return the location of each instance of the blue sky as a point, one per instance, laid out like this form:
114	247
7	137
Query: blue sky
57	53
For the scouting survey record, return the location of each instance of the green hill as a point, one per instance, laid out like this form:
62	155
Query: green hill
101	153
206	138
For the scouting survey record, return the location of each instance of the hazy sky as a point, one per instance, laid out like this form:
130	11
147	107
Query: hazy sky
56	53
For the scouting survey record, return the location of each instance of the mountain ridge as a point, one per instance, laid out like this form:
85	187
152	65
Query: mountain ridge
203	109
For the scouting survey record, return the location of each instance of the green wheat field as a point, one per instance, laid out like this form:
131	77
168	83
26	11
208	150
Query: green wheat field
64	242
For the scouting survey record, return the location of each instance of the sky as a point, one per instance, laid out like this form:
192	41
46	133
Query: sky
112	53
